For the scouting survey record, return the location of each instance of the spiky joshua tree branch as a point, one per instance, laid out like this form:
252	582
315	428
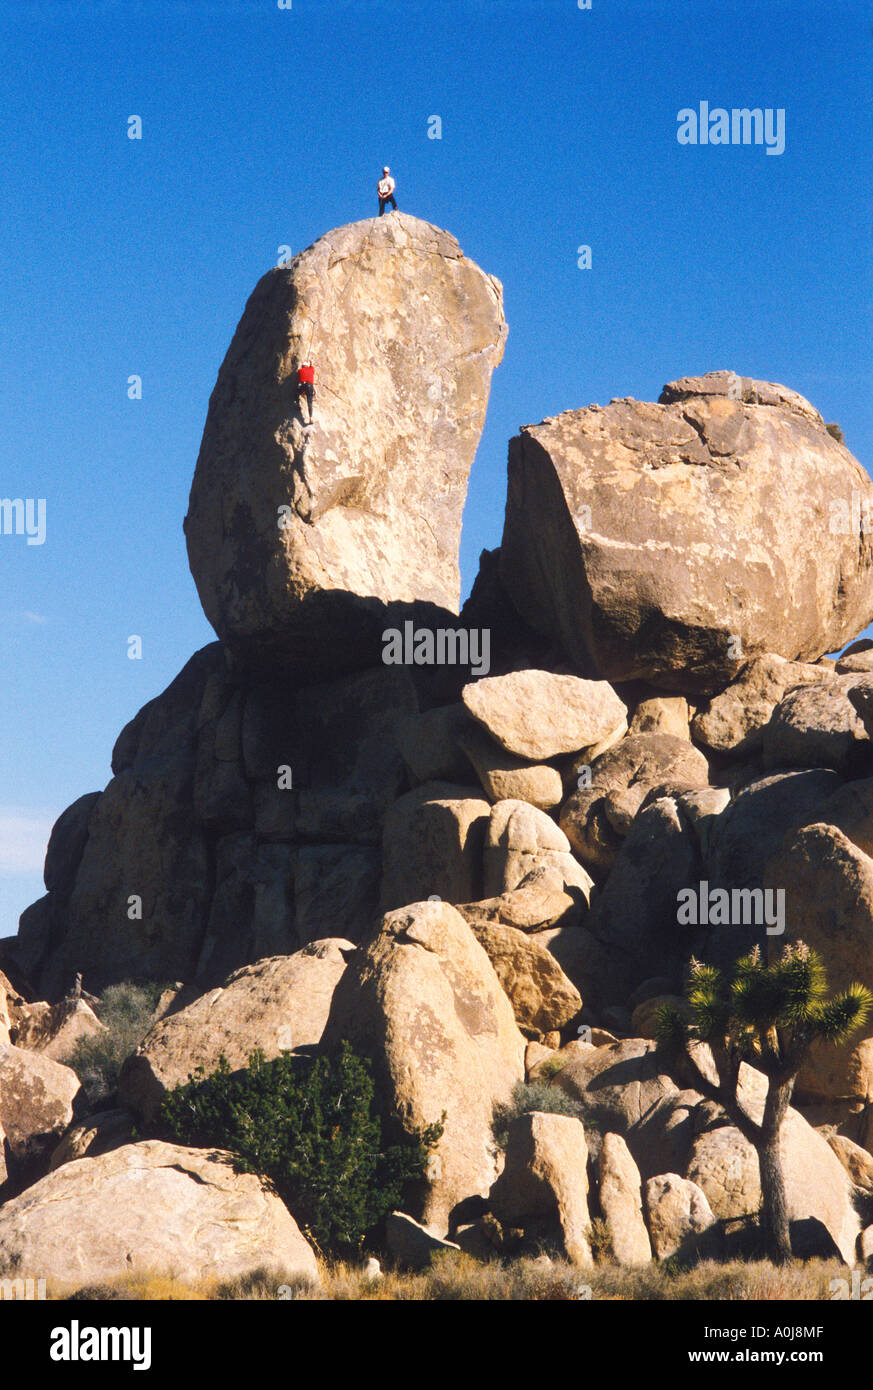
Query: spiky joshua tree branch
766	1014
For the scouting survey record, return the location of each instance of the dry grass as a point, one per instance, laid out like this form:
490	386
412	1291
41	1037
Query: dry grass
460	1278
141	1287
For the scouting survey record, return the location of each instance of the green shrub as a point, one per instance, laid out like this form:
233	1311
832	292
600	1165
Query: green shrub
549	1068
835	432
126	1012
310	1128
528	1096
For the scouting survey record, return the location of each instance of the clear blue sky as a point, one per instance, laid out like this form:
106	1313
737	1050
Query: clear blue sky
263	127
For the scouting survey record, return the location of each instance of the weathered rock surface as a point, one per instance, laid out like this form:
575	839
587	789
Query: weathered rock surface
725	1166
36	1101
433	845
67	843
656	541
634	915
644	1019
620	1193
280	1004
828	887
405	332
596	818
661	714
739	388
856	659
105	1130
734	721
430	744
151	1207
546	1177
11	1004
504	777
244	820
539	902
521	838
850	809
538	715
678	1215
54	1029
410	1244
751	829
857	1162
423	1001
142	844
542	997
818	726
623	1088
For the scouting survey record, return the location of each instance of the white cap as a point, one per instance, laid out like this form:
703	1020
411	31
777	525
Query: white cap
386	170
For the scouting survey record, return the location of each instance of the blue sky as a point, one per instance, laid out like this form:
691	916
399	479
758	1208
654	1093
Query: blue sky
264	127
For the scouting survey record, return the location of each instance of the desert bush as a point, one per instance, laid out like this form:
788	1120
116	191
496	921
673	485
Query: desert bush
312	1130
835	432
528	1096
600	1239
550	1066
126	1012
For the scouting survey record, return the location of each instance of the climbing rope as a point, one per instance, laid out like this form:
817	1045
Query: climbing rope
356	260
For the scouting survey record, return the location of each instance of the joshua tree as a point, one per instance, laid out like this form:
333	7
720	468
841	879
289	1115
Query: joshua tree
766	1015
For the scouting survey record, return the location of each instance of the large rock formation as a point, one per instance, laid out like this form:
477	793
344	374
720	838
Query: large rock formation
288	787
280	1004
405	332
663	541
244	820
36	1101
423	1001
546	1178
150	1208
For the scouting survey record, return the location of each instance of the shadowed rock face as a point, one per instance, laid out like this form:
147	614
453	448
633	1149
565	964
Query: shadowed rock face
405	332
666	542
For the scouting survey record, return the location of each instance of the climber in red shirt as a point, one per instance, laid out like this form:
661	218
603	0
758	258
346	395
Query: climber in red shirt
306	383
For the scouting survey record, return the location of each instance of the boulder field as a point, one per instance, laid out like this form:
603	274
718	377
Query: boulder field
471	872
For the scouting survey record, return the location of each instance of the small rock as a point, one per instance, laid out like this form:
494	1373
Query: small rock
538	715
411	1245
621	1202
678	1215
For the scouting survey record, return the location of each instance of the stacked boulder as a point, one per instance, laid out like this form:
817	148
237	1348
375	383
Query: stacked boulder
472	867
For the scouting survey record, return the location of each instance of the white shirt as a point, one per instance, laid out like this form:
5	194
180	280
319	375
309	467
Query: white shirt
386	187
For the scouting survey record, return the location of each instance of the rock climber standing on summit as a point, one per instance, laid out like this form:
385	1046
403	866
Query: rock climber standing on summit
385	189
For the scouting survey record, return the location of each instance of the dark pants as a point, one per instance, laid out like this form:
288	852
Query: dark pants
383	202
307	388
